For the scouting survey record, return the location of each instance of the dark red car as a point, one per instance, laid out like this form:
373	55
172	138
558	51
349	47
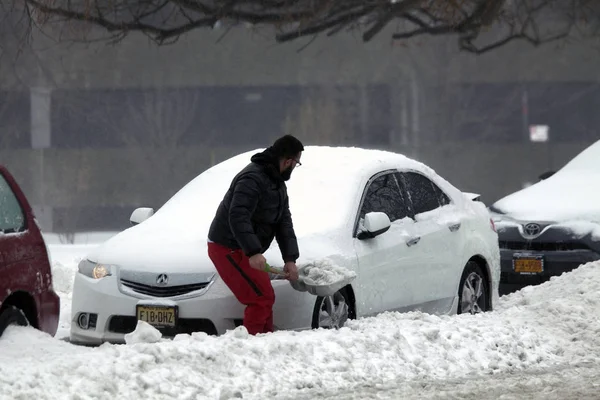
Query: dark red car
26	294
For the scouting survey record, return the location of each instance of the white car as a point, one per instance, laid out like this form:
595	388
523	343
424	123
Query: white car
414	240
552	226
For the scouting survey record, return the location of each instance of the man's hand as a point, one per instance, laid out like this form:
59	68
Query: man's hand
258	261
291	271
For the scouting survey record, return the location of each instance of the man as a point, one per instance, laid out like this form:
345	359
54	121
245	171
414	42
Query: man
254	211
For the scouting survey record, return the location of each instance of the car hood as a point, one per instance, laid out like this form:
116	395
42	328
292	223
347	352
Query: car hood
137	250
564	197
141	249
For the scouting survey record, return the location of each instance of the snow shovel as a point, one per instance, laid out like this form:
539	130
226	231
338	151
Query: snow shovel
307	285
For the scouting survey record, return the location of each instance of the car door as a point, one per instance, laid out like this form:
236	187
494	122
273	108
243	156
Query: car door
438	228
387	265
12	240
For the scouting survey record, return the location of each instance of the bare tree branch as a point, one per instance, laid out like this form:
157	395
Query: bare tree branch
533	21
394	10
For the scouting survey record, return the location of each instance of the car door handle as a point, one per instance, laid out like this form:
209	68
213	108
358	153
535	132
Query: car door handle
413	241
455	227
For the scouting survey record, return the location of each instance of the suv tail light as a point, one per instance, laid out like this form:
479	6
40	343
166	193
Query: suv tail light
493	225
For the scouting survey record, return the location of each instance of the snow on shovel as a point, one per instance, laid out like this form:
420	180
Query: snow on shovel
322	278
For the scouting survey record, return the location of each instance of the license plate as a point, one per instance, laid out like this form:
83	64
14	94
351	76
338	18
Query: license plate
528	265
157	316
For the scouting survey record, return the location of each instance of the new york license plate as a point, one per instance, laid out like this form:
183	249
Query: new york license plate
157	316
528	265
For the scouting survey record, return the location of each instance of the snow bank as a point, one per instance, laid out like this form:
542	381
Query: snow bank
539	327
65	259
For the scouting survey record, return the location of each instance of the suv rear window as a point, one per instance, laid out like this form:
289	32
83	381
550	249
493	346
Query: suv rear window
12	218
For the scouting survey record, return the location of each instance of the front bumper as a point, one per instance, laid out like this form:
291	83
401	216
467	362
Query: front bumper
555	264
214	311
114	312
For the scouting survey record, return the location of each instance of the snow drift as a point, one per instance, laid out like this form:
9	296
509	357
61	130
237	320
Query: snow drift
539	327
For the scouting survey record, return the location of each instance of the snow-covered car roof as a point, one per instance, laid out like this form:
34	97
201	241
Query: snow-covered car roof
569	195
322	190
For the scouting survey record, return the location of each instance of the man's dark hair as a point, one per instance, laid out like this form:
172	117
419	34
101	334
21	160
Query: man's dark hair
287	147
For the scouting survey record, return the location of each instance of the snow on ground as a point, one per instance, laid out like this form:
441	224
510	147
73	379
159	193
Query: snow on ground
539	342
567	381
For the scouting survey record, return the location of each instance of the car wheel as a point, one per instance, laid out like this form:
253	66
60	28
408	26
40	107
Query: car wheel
332	312
473	290
12	316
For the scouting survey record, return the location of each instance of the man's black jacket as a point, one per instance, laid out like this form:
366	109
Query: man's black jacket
255	210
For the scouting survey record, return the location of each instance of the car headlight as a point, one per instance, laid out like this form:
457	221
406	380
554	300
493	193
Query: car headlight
94	270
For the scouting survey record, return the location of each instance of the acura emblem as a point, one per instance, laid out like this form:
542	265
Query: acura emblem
532	229
162	279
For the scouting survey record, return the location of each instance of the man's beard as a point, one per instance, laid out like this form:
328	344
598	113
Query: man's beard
287	174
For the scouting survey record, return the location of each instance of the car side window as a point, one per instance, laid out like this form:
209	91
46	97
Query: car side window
384	195
443	198
12	218
424	195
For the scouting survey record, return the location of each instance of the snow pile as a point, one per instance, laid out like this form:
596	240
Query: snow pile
324	272
65	259
540	328
143	333
62	277
577	292
63	286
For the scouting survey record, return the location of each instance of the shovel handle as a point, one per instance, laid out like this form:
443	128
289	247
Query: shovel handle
273	270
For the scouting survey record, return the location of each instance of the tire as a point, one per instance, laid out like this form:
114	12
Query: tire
341	302
473	291
12	316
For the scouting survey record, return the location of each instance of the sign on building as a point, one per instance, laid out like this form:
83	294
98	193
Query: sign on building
538	133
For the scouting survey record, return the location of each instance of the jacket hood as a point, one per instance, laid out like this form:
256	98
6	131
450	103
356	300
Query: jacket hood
270	162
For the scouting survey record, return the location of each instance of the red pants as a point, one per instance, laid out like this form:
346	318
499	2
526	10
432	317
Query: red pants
250	286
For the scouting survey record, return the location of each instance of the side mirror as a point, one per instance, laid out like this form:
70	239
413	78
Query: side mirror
546	175
141	214
375	224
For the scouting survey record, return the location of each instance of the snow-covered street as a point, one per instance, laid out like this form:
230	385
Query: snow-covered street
567	381
542	342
